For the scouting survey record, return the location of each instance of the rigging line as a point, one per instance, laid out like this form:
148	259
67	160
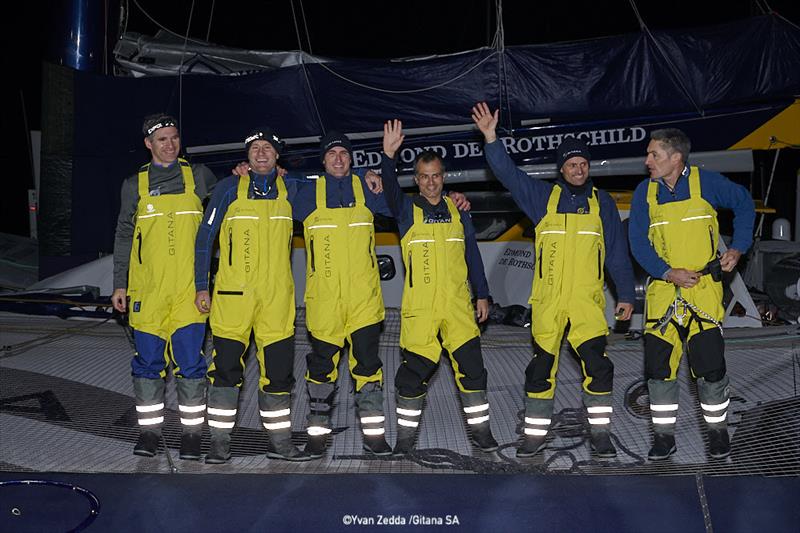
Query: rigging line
795	26
766	8
408	91
769	189
305	69
305	26
501	64
642	25
671	66
210	19
154	21
311	92
296	27
180	67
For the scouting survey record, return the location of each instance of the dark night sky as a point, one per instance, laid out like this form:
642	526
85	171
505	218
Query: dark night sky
375	29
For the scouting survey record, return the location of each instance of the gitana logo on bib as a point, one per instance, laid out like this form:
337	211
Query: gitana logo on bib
150	208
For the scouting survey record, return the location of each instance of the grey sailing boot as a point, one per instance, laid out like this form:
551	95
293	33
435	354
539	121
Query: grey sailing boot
320	398
192	410
409	413
714	401
664	413
223	403
276	417
598	412
150	413
538	413
369	402
476	411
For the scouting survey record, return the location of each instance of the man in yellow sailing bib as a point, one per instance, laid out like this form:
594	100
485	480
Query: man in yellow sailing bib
344	303
159	214
674	235
578	235
442	259
253	294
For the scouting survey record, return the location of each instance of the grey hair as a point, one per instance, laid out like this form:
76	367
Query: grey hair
674	140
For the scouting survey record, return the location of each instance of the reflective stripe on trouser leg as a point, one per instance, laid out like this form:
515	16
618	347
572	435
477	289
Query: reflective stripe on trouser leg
275	411
476	407
223	404
320	398
538	413
191	402
409	411
714	401
369	401
598	411
149	403
663	404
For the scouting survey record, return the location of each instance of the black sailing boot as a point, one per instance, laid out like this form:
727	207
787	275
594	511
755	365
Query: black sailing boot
223	403
192	410
150	413
409	413
476	411
275	410
369	402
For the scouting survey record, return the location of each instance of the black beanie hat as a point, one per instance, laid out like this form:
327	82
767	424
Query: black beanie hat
333	139
264	133
571	147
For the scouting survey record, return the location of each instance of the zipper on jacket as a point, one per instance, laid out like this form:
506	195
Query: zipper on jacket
410	271
599	263
711	238
313	267
369	251
139	247
540	261
230	246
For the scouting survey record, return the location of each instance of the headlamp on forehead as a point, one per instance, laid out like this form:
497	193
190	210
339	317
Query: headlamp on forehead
267	134
260	135
161	124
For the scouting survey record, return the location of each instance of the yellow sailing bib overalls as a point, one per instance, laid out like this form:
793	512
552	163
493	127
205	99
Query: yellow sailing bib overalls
161	272
684	234
568	283
254	287
343	291
436	295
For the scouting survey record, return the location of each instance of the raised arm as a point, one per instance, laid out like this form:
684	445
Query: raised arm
392	140
529	194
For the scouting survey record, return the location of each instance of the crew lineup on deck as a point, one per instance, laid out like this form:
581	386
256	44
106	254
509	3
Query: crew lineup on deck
579	238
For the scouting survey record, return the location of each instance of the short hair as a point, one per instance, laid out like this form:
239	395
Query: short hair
428	156
154	120
674	140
